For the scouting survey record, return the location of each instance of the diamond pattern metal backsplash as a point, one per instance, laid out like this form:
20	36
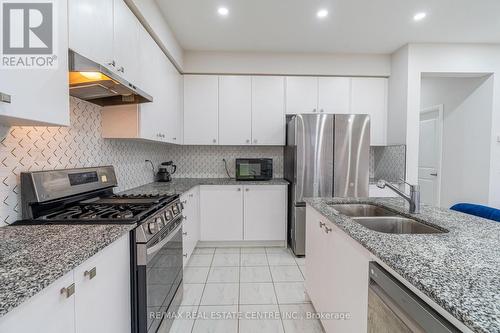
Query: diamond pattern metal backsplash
388	162
81	145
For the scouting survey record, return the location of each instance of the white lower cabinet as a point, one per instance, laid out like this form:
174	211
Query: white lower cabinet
241	213
336	274
191	224
102	299
265	212
221	213
89	303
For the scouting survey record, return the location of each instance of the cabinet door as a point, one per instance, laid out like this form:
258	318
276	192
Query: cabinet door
334	94
369	96
201	109
264	213
268	110
235	110
102	302
191	224
221	213
301	94
125	41
91	29
47	311
174	103
39	96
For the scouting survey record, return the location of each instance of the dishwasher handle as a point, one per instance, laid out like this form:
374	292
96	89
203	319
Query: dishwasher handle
407	302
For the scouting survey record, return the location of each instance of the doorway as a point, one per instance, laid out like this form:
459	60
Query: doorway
429	158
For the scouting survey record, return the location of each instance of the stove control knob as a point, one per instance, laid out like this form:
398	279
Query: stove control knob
159	221
153	227
168	215
175	209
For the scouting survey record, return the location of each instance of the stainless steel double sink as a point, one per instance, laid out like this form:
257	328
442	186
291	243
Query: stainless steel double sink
383	220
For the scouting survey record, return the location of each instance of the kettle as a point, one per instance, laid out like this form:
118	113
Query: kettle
165	171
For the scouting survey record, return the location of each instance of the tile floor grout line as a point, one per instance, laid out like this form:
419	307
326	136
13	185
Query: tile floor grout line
276	295
202	292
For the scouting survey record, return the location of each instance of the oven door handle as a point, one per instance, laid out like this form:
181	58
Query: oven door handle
155	248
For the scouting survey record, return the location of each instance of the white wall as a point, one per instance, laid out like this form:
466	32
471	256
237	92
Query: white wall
452	58
465	169
286	63
151	17
397	97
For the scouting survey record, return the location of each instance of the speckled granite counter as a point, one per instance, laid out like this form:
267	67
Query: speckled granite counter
181	185
459	270
32	257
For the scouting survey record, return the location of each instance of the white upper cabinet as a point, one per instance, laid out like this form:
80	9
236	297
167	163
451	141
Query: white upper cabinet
369	96
235	110
91	29
201	109
334	94
125	41
268	110
39	96
301	94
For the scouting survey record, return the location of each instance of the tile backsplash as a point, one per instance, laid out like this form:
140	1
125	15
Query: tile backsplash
206	161
387	162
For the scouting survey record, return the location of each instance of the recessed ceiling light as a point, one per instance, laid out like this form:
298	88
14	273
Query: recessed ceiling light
419	16
223	11
322	13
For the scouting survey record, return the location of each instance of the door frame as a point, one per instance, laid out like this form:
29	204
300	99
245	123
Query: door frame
440	109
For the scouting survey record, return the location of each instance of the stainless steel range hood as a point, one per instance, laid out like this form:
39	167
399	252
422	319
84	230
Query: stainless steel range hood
95	83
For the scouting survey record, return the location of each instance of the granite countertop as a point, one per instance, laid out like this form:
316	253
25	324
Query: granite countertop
34	256
181	185
459	270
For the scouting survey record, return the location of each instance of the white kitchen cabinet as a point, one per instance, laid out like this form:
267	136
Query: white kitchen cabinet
201	109
221	213
265	212
39	96
191	224
97	304
336	274
102	301
369	96
48	311
334	94
125	41
268	110
301	94
235	110
91	29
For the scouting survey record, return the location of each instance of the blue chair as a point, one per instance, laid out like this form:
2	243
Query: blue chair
478	210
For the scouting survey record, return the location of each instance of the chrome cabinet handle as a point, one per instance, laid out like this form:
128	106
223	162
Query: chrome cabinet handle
314	110
327	230
184	202
239	189
5	98
121	69
174	139
68	291
321	224
112	63
91	273
248	140
434	174
255	141
247	189
321	110
184	233
214	141
185	255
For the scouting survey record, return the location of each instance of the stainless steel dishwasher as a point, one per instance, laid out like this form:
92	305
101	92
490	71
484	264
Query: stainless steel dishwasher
393	308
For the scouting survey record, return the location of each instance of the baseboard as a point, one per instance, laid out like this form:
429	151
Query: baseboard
241	243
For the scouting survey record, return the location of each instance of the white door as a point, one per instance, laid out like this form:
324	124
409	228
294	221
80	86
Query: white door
264	212
268	110
39	96
334	94
235	110
150	81
429	155
91	29
301	94
48	311
221	213
201	109
102	300
125	41
369	96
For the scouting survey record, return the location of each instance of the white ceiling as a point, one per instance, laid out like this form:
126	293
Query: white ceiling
352	26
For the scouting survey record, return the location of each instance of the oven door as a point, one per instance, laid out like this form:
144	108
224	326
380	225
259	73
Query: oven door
159	279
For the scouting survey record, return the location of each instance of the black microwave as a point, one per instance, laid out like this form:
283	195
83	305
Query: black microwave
254	168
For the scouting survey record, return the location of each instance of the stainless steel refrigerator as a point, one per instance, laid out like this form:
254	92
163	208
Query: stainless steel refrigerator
325	155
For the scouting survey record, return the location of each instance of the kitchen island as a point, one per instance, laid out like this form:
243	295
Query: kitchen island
457	271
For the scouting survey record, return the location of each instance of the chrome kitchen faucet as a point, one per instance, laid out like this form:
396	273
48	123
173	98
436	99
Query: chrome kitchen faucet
413	199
